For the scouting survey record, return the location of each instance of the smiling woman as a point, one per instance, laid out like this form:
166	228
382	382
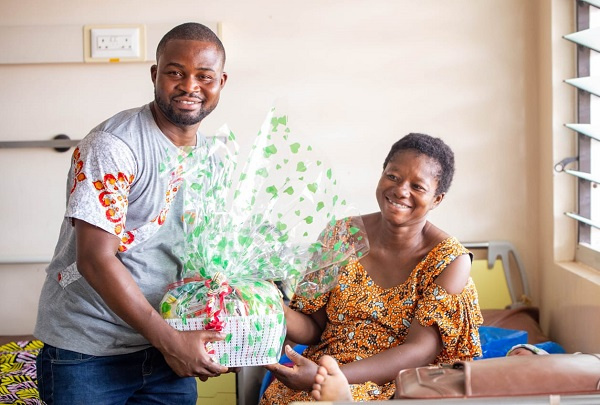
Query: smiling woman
409	302
409	186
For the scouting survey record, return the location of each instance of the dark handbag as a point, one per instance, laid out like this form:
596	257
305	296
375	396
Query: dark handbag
503	376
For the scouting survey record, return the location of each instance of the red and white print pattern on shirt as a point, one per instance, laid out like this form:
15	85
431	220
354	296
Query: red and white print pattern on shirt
112	196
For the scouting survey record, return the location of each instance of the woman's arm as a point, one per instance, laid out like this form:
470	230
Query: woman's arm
421	347
422	344
304	329
455	276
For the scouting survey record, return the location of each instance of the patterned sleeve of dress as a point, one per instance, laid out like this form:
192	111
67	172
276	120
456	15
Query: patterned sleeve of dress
341	242
102	170
457	316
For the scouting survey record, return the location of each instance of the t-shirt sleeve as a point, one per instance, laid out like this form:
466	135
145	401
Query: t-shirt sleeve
102	170
457	317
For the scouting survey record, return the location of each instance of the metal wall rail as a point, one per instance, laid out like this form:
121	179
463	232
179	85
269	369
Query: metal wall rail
16	260
60	143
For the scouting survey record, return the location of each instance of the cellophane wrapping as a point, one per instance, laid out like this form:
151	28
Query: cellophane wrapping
247	228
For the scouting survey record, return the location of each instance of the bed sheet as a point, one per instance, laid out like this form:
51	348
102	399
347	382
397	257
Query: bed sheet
520	318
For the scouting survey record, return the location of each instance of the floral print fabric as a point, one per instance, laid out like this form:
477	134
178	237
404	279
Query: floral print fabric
104	170
101	184
364	319
18	380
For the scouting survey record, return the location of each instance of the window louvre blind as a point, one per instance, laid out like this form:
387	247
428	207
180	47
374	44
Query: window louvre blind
591	131
587	126
583	175
595	3
589	38
589	84
584	220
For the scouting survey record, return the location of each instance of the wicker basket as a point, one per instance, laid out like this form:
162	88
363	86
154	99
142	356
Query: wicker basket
251	340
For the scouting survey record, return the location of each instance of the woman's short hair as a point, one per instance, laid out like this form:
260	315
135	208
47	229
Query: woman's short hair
432	147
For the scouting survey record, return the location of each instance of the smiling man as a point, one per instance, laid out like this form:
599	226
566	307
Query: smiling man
186	91
104	339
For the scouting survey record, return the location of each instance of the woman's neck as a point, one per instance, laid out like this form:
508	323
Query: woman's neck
397	238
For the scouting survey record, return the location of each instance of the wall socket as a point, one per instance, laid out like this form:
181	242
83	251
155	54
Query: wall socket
114	43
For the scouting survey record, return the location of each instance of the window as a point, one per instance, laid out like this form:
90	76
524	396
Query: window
587	130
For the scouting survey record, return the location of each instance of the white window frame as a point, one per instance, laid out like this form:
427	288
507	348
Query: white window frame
588	148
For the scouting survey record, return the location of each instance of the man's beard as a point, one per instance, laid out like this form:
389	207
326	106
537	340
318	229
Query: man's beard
181	119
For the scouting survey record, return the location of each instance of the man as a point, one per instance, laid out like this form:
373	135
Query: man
104	340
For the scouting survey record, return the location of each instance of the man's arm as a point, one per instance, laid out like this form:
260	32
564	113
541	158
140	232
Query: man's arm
98	264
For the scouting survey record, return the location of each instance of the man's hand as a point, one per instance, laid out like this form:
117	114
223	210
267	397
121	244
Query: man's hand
187	355
97	262
299	377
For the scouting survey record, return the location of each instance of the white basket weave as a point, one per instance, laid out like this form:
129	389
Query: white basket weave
251	340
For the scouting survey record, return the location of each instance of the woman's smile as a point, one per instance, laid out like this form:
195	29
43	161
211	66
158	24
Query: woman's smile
397	205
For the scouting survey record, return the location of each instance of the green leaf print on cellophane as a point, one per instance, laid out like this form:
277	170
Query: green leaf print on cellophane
246	228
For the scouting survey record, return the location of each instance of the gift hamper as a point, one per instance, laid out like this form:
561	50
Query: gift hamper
251	232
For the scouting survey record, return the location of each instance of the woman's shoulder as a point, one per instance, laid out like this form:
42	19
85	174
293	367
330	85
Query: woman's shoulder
444	245
448	245
438	239
449	253
369	219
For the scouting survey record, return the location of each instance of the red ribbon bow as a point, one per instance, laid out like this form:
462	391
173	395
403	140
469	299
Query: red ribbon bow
218	289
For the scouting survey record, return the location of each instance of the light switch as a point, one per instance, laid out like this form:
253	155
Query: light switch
114	43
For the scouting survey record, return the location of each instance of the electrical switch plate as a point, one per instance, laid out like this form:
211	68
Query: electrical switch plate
114	43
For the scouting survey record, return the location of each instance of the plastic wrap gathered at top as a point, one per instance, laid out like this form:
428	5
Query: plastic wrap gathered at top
277	218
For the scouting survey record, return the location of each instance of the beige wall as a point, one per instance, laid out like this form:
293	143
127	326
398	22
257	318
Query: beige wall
355	76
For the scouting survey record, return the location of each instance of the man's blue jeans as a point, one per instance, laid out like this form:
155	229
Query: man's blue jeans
143	377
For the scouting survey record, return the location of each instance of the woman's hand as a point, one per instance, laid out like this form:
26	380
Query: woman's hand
299	377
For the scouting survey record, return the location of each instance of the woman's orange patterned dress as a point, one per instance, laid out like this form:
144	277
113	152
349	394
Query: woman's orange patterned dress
364	319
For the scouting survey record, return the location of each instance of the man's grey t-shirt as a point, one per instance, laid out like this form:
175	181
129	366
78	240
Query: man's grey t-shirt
115	183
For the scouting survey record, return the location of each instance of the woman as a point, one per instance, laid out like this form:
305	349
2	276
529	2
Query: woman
409	302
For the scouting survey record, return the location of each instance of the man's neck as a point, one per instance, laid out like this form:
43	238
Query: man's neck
178	135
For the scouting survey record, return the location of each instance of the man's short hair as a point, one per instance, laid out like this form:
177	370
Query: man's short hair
191	31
